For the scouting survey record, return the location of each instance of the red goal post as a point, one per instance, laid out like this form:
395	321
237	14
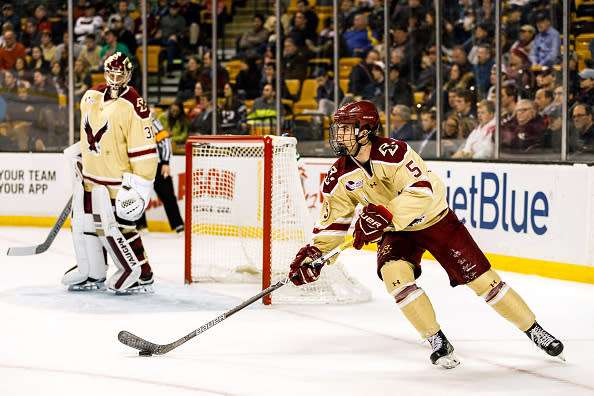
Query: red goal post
246	218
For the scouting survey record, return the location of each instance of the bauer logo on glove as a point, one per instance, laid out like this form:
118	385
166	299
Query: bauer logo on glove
370	226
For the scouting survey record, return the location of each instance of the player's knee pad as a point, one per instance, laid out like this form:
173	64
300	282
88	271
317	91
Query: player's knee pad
119	246
399	278
503	299
90	258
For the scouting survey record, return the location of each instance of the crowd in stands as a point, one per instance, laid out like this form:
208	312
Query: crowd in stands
34	51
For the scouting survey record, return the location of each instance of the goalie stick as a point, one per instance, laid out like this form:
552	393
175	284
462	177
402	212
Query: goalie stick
148	348
30	250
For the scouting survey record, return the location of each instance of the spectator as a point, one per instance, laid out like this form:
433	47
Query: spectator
359	39
9	83
170	33
429	124
482	70
526	40
361	75
347	15
311	17
202	123
509	97
112	46
9	16
465	110
91	53
42	86
37	61
323	47
82	79
325	92
400	89
11	51
460	76
547	43
21	71
511	28
264	108
122	15
410	49
481	36
479	143
546	78
206	76
270	78
89	22
47	46
299	32
583	136
188	79
428	70
43	23
493	80
197	108
451	136
376	17
525	132
124	35
175	121
545	106
586	94
191	11
57	78
374	91
294	62
519	70
62	50
402	128
31	36
233	113
253	38
248	78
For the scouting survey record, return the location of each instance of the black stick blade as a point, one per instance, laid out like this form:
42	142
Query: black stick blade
133	341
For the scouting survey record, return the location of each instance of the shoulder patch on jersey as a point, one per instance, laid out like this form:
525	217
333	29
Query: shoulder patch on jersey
389	150
339	168
138	103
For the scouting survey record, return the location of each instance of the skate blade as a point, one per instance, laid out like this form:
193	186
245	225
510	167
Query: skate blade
87	287
142	289
448	362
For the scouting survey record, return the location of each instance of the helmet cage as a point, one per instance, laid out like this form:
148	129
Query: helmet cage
364	118
344	138
117	72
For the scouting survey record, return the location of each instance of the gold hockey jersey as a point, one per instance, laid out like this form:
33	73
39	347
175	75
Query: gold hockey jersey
397	178
117	136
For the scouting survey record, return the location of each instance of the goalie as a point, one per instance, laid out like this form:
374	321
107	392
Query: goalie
405	212
112	185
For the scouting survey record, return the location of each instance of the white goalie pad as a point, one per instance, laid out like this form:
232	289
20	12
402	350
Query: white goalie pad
90	260
133	197
114	241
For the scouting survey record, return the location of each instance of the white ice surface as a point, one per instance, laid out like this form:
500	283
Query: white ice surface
53	342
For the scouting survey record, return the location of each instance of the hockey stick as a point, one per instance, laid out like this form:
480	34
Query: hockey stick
30	250
148	348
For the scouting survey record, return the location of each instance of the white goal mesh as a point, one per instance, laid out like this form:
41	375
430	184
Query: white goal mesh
243	198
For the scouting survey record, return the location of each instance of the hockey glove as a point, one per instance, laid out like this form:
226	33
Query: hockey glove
370	225
302	271
133	197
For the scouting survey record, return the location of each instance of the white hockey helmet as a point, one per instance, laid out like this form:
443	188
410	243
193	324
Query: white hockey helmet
118	72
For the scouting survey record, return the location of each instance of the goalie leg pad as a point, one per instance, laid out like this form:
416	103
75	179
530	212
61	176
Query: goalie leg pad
503	299
91	261
399	278
119	246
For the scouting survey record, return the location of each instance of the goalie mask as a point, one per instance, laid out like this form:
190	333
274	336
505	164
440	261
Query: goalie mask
352	123
118	72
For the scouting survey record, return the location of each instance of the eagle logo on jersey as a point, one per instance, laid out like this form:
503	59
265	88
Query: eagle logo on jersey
94	138
329	178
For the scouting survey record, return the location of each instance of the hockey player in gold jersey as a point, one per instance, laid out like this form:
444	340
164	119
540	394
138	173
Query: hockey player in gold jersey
113	183
406	213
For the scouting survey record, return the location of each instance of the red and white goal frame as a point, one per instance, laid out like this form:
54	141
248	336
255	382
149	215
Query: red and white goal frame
246	218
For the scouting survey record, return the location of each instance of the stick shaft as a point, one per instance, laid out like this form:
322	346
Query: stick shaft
136	342
42	247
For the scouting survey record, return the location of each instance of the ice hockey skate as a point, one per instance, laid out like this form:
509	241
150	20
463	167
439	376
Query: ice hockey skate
443	352
545	341
88	285
144	284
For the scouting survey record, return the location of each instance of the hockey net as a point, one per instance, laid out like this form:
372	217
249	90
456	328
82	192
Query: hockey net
246	218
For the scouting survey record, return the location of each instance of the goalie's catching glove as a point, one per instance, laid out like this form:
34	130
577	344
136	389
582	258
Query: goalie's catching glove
302	271
370	225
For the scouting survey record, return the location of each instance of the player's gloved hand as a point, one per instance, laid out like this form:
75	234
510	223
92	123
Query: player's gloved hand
302	271
370	225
